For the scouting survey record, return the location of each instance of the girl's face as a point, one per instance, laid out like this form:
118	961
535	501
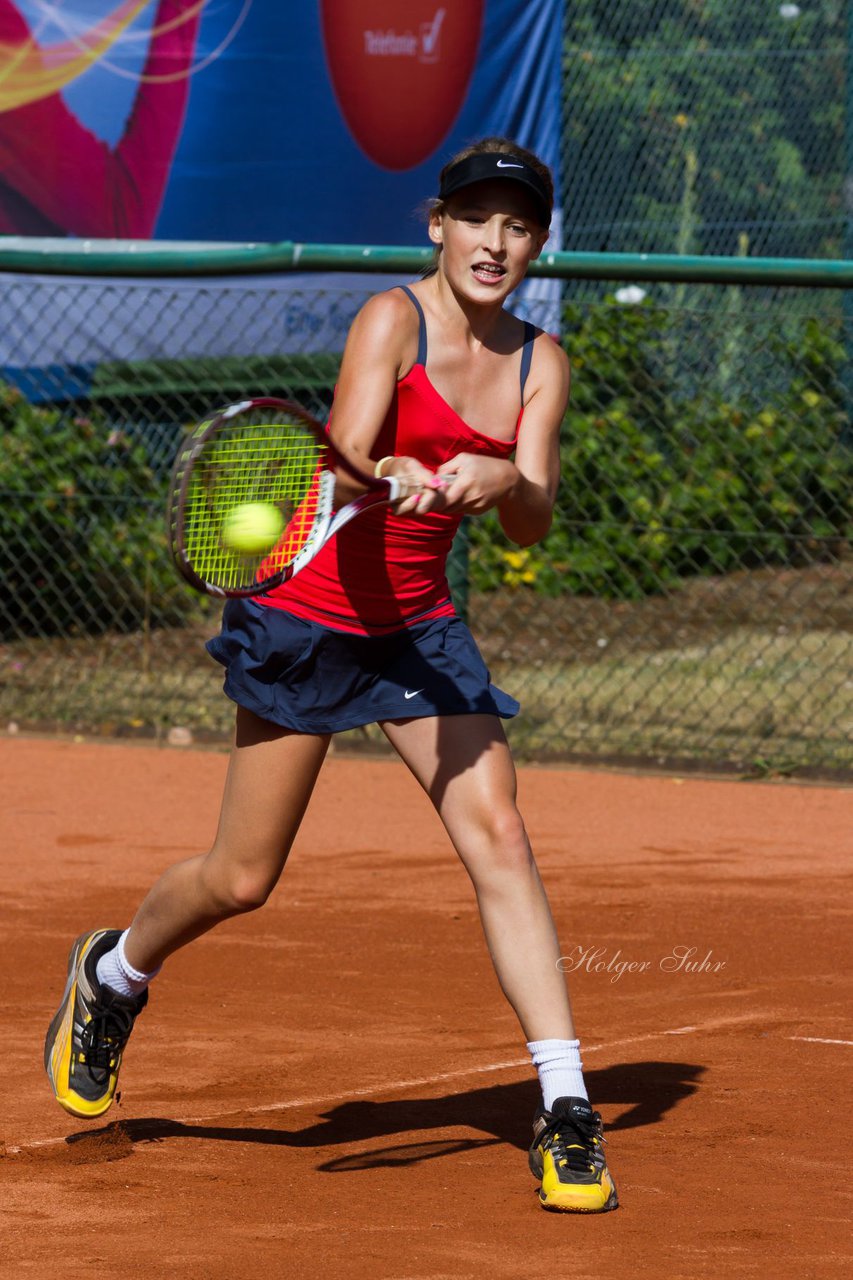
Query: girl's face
489	235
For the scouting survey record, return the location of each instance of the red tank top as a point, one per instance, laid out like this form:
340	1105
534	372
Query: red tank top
382	572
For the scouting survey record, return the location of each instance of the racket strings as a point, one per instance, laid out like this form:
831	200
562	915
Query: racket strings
276	463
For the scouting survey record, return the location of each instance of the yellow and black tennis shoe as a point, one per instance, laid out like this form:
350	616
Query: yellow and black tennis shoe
85	1041
567	1155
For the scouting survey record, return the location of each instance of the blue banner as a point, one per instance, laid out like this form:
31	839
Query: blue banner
260	120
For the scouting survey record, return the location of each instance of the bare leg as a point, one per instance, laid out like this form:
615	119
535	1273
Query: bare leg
465	766
270	779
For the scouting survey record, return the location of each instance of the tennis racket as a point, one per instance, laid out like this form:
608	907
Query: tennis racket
272	461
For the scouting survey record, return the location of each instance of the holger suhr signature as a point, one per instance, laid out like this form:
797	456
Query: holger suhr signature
680	959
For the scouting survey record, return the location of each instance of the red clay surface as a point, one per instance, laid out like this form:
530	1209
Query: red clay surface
334	1086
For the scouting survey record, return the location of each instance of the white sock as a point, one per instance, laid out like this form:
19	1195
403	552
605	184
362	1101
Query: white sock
560	1069
115	971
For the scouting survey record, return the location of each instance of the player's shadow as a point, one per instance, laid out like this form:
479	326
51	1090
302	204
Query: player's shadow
503	1112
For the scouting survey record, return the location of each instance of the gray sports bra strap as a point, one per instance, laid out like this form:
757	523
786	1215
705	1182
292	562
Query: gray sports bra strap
526	353
422	336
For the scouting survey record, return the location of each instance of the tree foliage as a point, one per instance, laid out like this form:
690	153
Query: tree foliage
667	476
754	93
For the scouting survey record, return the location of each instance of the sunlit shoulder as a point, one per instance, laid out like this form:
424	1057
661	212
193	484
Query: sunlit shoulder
386	324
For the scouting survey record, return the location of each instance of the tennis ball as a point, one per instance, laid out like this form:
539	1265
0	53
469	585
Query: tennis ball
252	527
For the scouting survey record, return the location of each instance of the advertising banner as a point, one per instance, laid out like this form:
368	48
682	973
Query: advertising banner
310	120
318	121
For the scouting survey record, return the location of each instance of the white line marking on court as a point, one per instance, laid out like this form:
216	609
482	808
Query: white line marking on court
819	1040
394	1086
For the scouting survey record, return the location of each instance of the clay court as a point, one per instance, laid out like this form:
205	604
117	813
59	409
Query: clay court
335	1087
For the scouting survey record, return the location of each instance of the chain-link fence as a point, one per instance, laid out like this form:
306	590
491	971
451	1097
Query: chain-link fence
693	601
707	127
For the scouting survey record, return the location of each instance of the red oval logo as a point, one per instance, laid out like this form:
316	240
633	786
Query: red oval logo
400	70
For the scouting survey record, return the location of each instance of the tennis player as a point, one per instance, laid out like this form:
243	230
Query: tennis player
440	384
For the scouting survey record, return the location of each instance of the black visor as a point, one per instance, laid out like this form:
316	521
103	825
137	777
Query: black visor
485	167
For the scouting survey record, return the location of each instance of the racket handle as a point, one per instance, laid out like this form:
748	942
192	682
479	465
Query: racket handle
400	487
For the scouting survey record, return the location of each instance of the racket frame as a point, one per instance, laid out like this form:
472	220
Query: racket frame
326	524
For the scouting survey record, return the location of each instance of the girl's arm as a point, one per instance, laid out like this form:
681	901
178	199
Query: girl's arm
523	492
526	511
380	348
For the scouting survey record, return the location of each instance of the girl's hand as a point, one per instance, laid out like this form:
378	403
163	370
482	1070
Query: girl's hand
430	495
474	483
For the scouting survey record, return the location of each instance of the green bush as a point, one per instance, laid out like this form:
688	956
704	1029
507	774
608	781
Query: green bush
665	475
81	527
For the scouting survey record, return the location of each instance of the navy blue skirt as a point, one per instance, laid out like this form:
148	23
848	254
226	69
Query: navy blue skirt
310	678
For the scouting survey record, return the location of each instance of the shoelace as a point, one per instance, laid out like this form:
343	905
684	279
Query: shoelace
572	1141
104	1036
